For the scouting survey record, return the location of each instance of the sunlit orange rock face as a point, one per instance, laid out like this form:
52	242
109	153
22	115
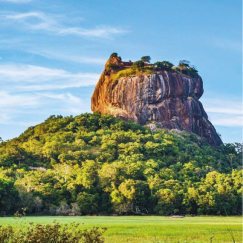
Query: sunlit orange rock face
169	99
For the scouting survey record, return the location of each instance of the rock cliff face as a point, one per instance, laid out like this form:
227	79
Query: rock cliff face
168	98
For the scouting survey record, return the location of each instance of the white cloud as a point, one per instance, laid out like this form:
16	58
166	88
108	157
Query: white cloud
16	1
17	100
226	120
102	31
66	102
70	57
37	21
19	77
14	105
51	53
4	118
64	97
74	99
11	105
229	44
33	90
224	112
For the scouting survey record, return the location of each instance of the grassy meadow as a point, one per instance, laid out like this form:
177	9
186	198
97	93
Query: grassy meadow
154	229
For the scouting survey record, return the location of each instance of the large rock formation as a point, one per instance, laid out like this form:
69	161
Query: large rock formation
168	98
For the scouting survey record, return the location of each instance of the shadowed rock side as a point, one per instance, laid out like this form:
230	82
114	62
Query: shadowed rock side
168	98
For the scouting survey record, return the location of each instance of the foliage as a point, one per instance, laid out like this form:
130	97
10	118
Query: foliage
146	59
8	195
114	54
51	233
112	66
165	65
132	72
185	67
95	163
138	65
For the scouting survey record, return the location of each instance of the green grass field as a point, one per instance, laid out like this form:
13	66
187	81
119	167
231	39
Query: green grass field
154	229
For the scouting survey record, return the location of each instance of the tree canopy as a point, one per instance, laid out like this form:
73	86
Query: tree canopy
114	54
95	163
138	65
164	65
146	59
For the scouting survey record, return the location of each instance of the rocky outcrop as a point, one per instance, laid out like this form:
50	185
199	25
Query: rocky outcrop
169	98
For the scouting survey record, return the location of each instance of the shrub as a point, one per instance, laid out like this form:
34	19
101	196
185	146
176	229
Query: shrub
63	208
192	71
112	66
146	59
165	65
124	73
87	202
114	54
185	68
184	64
132	72
6	233
54	233
138	65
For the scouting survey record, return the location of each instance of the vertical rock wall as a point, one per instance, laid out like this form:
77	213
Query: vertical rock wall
167	98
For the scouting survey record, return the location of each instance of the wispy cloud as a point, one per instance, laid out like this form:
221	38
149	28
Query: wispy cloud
70	57
21	77
37	21
13	105
53	52
28	89
17	100
226	120
224	112
68	101
228	44
16	1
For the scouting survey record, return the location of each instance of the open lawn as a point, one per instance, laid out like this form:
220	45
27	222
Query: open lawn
154	229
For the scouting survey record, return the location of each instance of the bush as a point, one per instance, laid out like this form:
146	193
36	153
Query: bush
164	65
112	66
138	65
124	73
54	233
185	68
146	59
87	202
114	54
192	71
132	72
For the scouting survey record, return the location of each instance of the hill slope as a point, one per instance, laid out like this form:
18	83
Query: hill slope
95	163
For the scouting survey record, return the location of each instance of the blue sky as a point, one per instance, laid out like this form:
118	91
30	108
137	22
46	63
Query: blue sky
52	53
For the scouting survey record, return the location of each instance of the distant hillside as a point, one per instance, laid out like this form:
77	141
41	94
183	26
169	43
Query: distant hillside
95	163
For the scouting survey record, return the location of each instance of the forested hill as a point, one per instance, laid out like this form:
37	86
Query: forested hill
95	163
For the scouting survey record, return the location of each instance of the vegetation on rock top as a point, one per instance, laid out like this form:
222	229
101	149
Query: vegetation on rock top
144	66
130	72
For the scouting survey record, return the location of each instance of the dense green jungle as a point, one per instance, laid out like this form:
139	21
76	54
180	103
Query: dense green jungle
98	164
